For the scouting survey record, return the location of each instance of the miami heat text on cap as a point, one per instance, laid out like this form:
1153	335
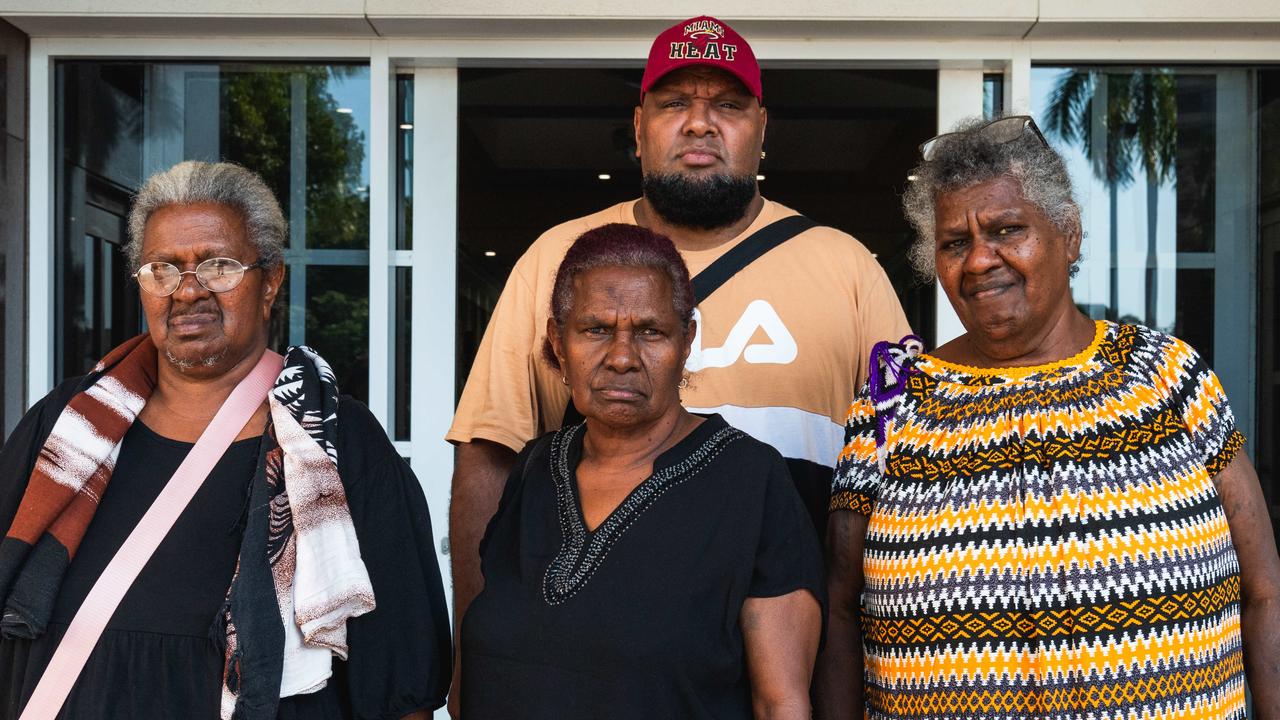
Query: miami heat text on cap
702	41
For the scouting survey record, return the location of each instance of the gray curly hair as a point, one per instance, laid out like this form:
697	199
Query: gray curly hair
223	183
968	158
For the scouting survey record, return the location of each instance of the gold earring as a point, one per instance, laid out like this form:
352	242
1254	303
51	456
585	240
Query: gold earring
564	379
684	382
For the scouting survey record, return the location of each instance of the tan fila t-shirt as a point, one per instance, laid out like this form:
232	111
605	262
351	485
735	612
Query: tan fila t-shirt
782	347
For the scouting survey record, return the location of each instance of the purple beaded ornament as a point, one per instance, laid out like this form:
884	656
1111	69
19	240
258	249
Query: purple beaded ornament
890	365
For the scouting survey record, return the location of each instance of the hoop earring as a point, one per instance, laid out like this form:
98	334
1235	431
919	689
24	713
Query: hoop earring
684	382
564	379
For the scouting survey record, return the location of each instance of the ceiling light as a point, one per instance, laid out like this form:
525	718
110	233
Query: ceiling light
759	177
912	178
406	126
605	176
490	253
345	111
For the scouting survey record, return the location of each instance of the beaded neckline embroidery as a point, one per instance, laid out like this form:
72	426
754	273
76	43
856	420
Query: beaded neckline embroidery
582	551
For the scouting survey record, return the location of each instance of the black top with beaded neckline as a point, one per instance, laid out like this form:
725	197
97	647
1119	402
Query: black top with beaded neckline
639	618
584	549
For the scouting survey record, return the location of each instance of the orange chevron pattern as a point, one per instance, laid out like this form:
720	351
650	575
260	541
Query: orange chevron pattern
1047	542
1225	681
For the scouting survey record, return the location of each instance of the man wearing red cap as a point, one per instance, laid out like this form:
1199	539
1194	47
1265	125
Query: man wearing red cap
782	345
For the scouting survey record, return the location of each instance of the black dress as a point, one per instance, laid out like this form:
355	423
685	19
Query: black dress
640	617
156	658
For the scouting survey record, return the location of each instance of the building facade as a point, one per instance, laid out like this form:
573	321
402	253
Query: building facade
419	148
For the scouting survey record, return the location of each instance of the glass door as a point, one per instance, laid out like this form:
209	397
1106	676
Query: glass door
1165	162
303	127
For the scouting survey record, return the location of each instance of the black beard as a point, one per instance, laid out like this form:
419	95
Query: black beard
701	203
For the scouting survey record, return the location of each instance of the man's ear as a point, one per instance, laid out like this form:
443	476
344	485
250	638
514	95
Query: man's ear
636	118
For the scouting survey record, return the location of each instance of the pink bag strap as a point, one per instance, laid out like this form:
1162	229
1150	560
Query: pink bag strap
101	602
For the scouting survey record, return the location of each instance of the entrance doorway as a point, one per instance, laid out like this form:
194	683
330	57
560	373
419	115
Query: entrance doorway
539	146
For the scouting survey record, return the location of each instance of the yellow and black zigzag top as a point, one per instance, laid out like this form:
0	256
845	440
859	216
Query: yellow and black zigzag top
1047	542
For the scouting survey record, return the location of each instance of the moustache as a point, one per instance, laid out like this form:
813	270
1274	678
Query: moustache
202	308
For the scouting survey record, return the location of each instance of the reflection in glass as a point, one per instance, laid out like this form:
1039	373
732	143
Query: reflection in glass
1175	170
269	114
1267	447
992	94
1194	303
337	307
304	128
1120	130
1144	147
13	210
403	330
404	162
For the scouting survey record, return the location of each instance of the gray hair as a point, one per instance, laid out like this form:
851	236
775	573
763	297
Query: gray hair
223	183
968	158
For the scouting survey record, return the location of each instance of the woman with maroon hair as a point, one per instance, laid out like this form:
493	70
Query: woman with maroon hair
646	562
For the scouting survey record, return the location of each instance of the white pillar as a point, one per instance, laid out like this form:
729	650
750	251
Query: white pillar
40	200
381	233
959	97
1017	81
435	270
1235	247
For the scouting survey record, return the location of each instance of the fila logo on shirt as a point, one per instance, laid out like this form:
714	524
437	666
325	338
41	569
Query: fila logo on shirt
759	315
713	50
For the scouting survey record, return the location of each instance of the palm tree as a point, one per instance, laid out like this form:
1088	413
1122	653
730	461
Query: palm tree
1139	116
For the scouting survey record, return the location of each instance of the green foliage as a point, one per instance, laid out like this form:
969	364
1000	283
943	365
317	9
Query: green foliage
1140	121
338	325
256	132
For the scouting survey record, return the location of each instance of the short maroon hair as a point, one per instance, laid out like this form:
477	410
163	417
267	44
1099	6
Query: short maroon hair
619	245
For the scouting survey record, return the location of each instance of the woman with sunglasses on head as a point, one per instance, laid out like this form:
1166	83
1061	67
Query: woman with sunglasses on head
299	580
1049	516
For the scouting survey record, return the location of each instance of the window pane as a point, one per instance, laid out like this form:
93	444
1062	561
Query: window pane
271	113
404	162
992	94
1141	146
1195	307
338	323
13	208
303	127
1176	171
403	329
1265	444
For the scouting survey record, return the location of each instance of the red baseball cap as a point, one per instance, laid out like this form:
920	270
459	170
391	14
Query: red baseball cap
702	41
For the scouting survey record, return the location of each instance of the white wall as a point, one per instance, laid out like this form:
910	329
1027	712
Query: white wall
1007	19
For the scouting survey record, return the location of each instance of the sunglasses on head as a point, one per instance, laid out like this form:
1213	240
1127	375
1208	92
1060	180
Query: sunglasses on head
1003	130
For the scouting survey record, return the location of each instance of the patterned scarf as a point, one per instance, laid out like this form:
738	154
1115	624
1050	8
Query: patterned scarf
299	576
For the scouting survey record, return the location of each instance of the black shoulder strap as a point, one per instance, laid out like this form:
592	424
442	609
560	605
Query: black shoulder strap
726	266
746	252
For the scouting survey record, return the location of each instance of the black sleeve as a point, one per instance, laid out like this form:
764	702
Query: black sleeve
788	556
515	479
18	456
400	655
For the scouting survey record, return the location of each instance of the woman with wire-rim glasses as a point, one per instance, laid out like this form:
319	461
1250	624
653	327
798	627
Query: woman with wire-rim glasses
298	581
